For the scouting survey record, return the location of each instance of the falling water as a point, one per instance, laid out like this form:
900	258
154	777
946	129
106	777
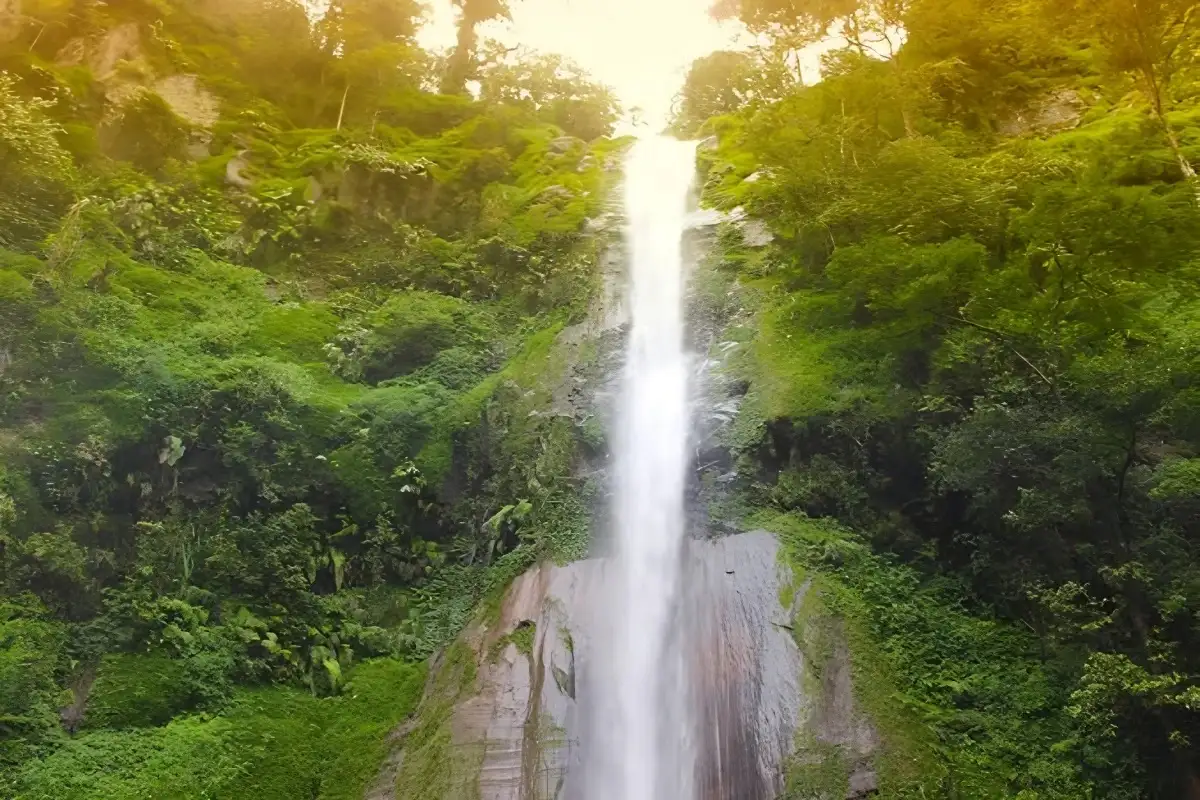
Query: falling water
642	744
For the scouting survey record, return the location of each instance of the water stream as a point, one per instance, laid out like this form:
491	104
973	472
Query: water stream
642	743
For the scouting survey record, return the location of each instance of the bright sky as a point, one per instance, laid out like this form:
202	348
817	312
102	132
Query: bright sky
641	48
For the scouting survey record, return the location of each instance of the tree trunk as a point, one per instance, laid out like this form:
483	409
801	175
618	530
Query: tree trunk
1185	166
1156	102
458	70
342	110
910	130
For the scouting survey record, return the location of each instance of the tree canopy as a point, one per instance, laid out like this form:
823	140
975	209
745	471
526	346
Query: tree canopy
266	298
977	340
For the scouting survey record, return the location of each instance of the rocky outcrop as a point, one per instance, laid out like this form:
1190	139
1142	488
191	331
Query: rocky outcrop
1056	111
189	100
518	730
102	55
184	94
233	170
746	667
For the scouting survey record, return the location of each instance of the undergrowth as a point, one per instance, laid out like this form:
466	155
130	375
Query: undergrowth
272	743
965	706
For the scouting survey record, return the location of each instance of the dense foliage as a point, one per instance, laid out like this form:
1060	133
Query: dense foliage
978	343
268	305
280	342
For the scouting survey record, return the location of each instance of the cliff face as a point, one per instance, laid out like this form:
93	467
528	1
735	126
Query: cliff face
516	730
505	716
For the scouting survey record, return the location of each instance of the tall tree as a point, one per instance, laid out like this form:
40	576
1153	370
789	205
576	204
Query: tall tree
1149	39
355	25
719	83
553	87
373	42
462	65
871	27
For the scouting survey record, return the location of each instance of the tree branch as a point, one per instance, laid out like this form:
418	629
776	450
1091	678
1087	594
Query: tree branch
1004	339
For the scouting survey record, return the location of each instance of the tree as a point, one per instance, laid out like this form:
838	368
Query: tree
1150	39
717	84
554	88
869	26
373	41
351	26
462	64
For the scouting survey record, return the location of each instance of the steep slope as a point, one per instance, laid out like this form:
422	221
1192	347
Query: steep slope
279	390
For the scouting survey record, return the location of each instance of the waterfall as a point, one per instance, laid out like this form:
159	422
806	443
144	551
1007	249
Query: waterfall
642	743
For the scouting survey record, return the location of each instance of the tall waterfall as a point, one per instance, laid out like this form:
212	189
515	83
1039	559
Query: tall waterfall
642	745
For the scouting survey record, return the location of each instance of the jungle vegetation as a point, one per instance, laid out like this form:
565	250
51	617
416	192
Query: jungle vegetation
977	344
277	302
269	285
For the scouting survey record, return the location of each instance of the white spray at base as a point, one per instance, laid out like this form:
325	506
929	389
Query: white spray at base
641	744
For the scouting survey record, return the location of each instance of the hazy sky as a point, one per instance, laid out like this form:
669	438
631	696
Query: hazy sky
641	48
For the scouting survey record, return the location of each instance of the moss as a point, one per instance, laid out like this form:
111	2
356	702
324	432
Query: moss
275	743
522	637
412	328
924	670
297	332
907	760
328	748
817	772
14	288
435	767
525	369
795	372
191	757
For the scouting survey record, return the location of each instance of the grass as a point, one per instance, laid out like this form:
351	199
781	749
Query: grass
273	743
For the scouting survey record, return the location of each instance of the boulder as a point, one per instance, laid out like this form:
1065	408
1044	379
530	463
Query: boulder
564	144
1056	111
189	99
233	170
555	194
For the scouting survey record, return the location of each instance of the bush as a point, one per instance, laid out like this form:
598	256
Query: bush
137	691
411	329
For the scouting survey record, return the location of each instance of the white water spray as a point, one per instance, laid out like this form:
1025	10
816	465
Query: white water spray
642	743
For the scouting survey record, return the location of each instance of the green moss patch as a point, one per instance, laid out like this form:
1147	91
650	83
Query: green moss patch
276	743
962	702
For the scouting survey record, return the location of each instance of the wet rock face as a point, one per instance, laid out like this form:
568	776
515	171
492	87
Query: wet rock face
746	666
525	722
524	717
768	699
